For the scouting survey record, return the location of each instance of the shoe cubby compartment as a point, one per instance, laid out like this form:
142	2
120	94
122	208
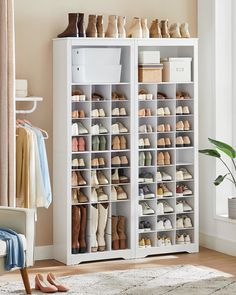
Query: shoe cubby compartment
147	224
123	209
189	169
189	201
84	90
171	157
165	223
103	104
184	156
187	215
164	238
185	232
170	202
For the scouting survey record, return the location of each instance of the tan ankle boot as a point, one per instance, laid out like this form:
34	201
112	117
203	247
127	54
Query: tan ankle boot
121	232
121	26
91	30
164	29
184	30
115	237
175	31
135	30
145	30
99	25
75	229
112	28
160	159
155	31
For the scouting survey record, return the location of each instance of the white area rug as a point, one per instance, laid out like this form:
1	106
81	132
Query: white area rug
171	280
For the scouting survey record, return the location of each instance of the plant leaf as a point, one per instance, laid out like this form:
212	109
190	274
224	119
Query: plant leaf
210	152
227	149
219	179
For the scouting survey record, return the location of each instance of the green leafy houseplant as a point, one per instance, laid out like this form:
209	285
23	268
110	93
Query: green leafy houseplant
230	152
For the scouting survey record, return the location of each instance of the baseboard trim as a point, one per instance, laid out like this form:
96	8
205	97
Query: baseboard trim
43	252
218	244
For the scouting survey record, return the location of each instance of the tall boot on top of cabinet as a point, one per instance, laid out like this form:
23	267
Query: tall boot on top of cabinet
112	28
100	28
91	30
121	26
82	233
81	28
93	228
102	222
121	232
75	229
71	30
135	30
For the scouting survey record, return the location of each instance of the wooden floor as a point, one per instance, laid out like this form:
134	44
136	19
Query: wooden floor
205	257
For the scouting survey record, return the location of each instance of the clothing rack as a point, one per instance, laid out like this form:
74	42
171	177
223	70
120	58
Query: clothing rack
32	99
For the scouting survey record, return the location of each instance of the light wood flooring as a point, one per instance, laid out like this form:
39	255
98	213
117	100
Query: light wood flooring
205	257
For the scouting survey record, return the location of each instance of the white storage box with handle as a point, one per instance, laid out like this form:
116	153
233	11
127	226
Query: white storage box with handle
96	74
149	57
177	69
96	56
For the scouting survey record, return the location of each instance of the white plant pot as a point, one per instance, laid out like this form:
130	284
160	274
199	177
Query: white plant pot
232	207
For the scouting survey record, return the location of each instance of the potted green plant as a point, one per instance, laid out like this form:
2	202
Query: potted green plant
230	174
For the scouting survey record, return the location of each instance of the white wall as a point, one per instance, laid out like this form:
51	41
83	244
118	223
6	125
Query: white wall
37	22
215	118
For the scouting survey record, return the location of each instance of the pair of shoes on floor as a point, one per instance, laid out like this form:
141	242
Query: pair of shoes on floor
99	143
51	285
138	28
119	177
119	238
98	163
98	178
98	195
145	193
121	161
163	158
78	95
164	207
182	95
183	126
182	206
164	224
184	222
163	176
182	110
163	112
76	114
78	196
78	144
78	163
163	241
163	191
178	30
164	142
98	113
77	179
119	143
183	141
119	112
183	174
118	193
145	159
182	239
145	209
163	128
145	243
144	95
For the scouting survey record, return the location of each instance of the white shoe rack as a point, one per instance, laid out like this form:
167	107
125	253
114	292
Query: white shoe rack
63	155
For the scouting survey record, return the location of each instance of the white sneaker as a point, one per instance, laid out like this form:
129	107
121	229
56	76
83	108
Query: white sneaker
74	129
186	110
187	222
113	193
160	241
82	129
95	129
115	112
167	207
159	177
180	222
160	112
95	113
115	128
179	110
180	239
179	207
102	113
187	239
179	175
167	224
75	163
142	96
160	208
186	206
160	224
165	176
122	112
82	97
75	97
142	129
168	241
186	174
146	209
102	129
167	111
141	143
93	196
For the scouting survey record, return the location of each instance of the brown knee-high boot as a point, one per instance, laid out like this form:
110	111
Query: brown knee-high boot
76	218
115	237
121	232
82	233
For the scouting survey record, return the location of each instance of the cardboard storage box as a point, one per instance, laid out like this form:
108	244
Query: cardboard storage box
177	69
150	73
